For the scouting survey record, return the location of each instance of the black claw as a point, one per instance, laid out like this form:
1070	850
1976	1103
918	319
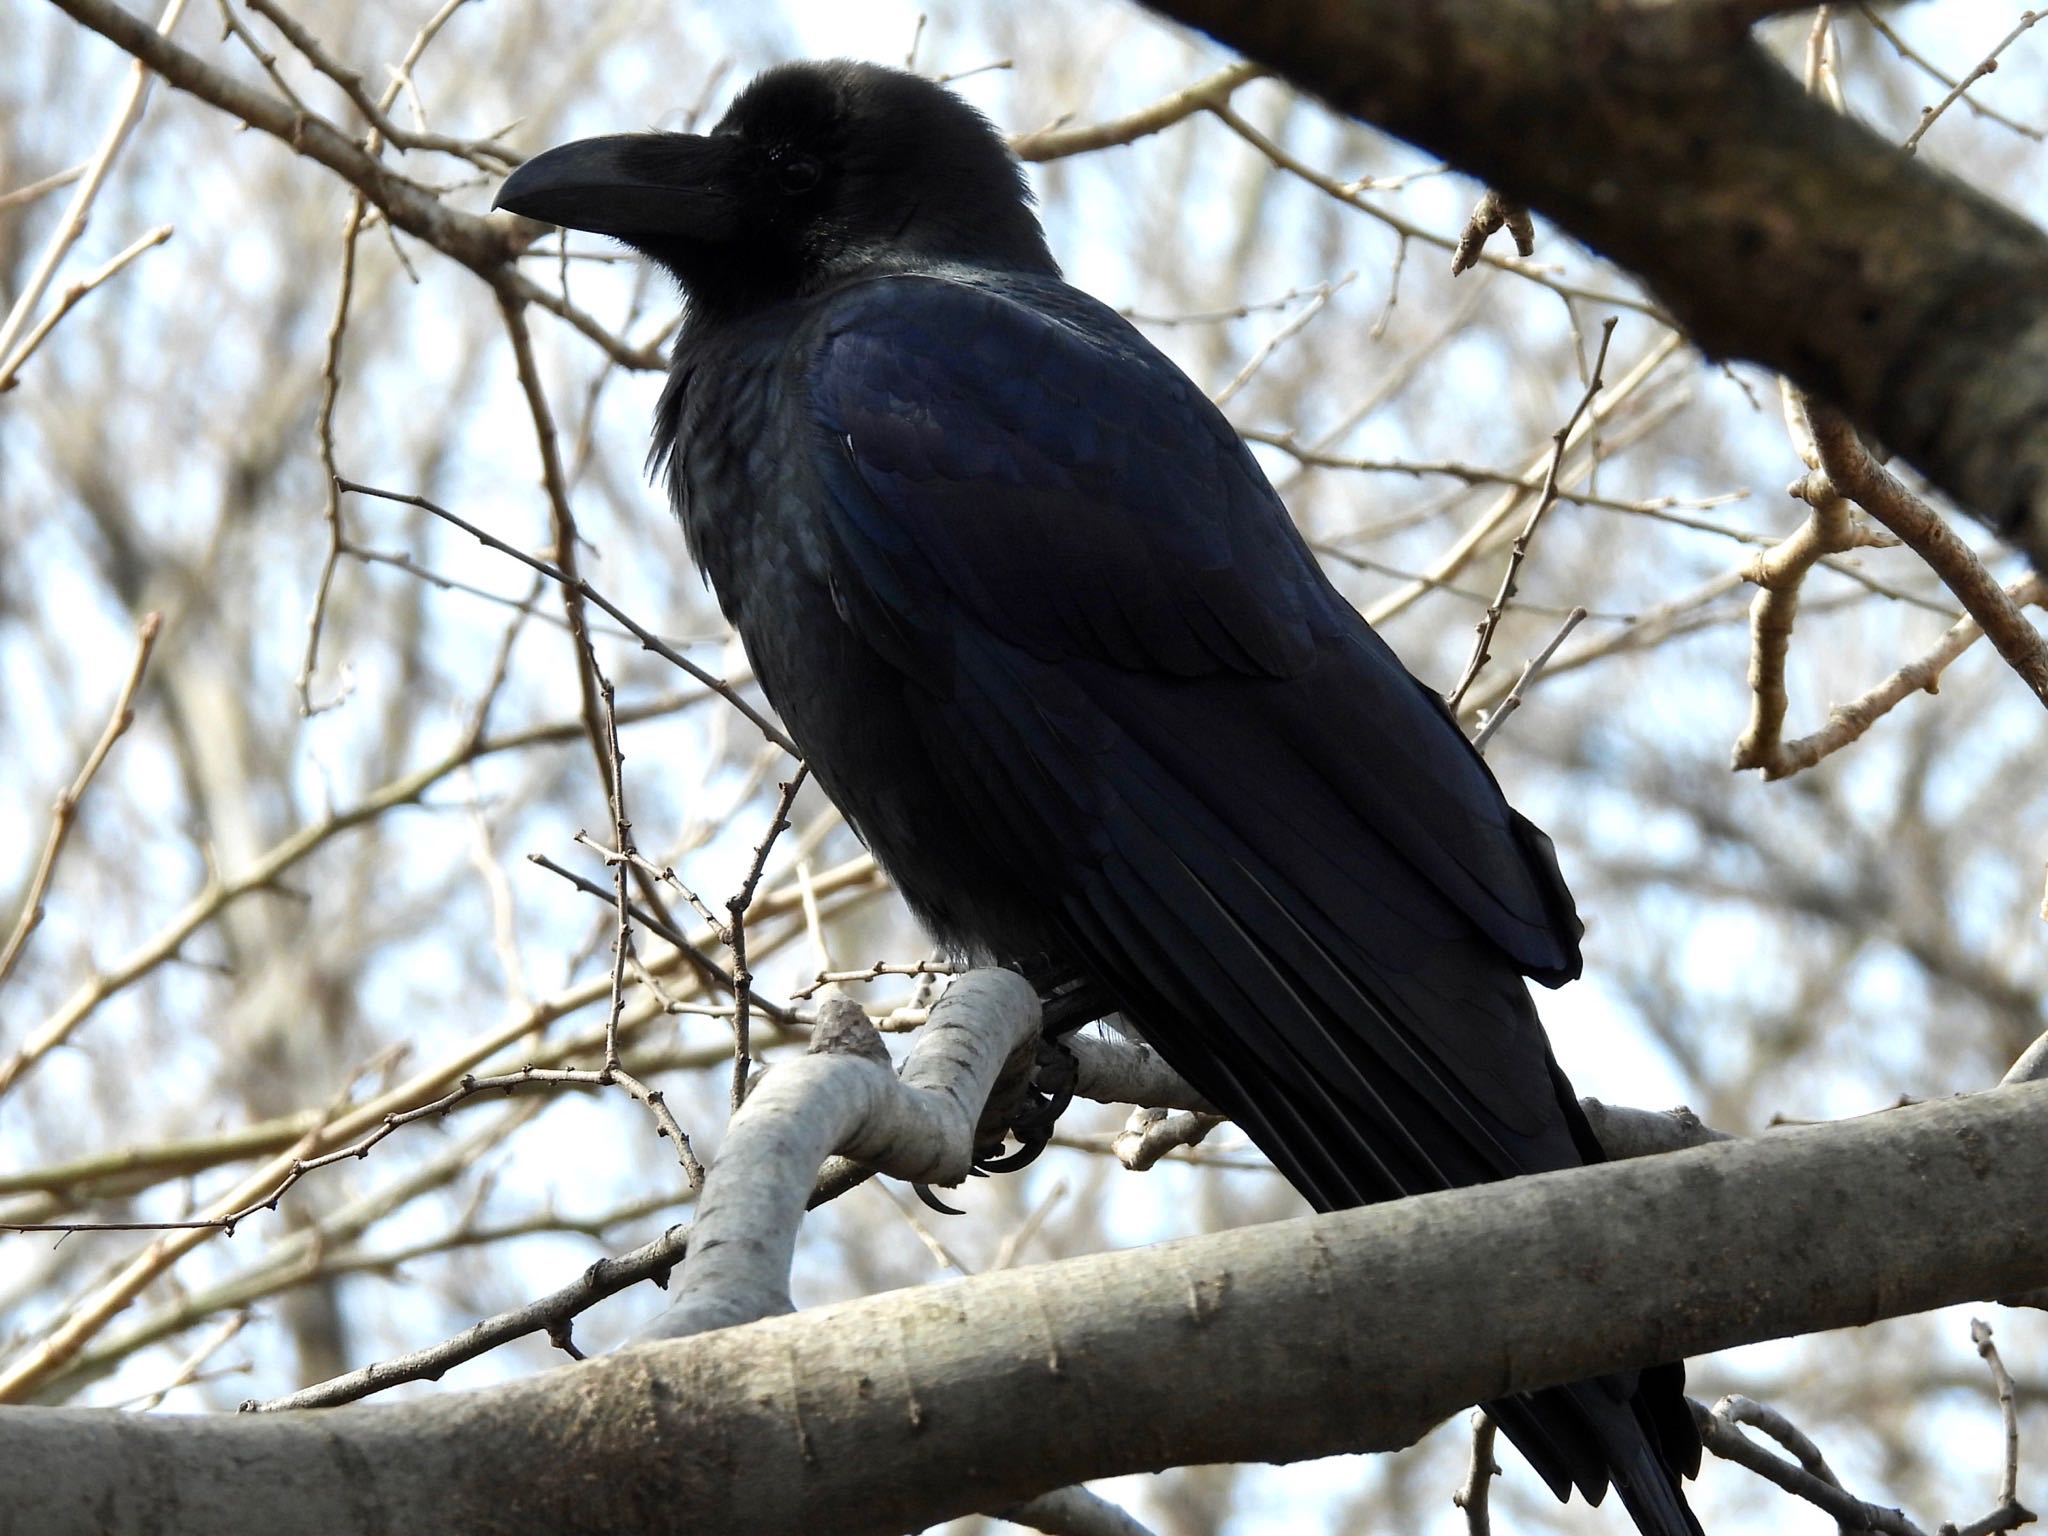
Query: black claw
1010	1162
933	1202
1051	1091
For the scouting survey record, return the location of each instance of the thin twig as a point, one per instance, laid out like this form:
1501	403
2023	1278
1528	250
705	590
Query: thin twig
1906	51
10	370
1530	670
647	638
1777	575
666	874
140	78
1484	533
1722	1435
1848	464
1983	67
482	152
1546	498
265	871
622	834
1058	141
190	1368
468	1087
1294	325
2008	1408
22	196
934	967
1848	722
1353	197
90	1313
736	938
65	813
323	436
1480	1471
670	935
545	1314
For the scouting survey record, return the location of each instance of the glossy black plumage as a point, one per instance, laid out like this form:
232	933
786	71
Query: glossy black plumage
1050	640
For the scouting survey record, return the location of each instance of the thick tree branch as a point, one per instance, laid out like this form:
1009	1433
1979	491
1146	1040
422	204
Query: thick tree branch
1351	1331
1774	228
843	1096
1113	1070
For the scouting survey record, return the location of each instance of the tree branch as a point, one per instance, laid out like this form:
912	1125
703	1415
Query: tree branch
842	1097
1772	227
475	241
885	1411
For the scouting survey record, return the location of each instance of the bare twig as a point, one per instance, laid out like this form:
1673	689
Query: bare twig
263	873
22	196
2008	1409
545	1314
1480	1471
674	937
1353	196
227	1221
1848	722
1560	440
1844	471
1777	574
1983	67
880	968
10	368
94	176
323	434
1531	669
188	1369
1907	52
736	938
65	813
1721	1432
480	152
1485	532
622	834
1152	1133
1058	142
1014	1241
647	638
1295	324
91	1313
1849	466
665	874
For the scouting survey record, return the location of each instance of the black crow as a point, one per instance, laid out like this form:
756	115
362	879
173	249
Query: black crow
1049	639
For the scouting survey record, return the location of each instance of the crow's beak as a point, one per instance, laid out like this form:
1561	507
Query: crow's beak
632	186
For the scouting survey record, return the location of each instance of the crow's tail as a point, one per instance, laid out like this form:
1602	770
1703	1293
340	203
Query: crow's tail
1634	1430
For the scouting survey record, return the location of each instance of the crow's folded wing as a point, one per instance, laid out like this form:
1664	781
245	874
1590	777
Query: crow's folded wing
1270	839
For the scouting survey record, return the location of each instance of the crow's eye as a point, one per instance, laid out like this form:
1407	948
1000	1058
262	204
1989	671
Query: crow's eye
797	174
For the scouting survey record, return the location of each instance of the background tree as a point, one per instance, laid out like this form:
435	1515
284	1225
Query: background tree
295	895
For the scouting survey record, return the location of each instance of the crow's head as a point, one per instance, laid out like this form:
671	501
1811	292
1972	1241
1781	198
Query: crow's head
816	172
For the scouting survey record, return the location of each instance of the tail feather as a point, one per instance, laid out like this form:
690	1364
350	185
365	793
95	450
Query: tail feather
1593	1433
1647	1477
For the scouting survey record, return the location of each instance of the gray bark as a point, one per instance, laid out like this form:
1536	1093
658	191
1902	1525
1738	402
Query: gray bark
842	1096
1353	1331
